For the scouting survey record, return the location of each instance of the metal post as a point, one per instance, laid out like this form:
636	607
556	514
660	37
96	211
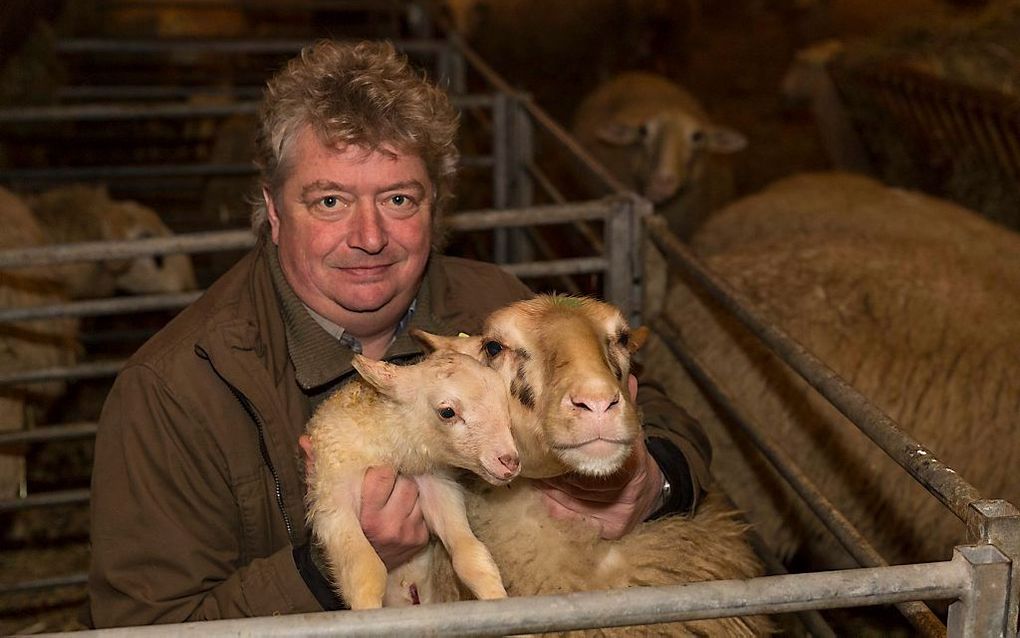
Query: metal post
619	242
500	173
999	525
982	610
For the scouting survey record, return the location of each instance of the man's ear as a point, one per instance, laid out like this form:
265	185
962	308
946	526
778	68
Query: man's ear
274	217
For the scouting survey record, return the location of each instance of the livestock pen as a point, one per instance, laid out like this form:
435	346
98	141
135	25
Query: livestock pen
519	188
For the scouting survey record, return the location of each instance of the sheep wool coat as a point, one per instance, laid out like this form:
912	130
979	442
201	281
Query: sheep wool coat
197	488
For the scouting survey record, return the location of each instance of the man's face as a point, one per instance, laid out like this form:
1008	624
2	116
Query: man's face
353	231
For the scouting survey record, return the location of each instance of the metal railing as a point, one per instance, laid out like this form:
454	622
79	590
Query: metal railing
993	523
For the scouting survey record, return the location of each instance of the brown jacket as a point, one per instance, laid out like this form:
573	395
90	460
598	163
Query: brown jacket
197	491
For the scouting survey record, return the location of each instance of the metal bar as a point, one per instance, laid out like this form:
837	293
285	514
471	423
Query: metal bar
48	433
577	266
619	232
612	608
208	45
500	175
101	307
535	215
98	250
48	499
842	529
155	92
62	373
938	478
96	112
93	173
77	578
145	111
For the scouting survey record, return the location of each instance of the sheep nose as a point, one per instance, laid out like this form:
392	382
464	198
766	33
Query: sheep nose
662	186
510	462
595	404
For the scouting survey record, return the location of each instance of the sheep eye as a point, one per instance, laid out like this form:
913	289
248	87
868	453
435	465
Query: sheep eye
492	348
624	339
446	413
698	137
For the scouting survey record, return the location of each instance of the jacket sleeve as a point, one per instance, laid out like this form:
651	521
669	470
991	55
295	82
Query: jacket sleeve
165	523
678	444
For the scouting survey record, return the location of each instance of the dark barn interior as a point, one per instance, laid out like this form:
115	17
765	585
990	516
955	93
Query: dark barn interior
154	101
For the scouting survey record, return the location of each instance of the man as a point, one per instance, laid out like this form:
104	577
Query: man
197	505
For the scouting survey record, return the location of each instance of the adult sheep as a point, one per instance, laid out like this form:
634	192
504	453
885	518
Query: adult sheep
656	137
913	301
32	344
567	361
79	213
448	411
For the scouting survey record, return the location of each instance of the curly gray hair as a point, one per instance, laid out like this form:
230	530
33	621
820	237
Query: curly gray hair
364	94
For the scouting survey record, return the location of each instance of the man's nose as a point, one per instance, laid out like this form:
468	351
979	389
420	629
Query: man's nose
366	231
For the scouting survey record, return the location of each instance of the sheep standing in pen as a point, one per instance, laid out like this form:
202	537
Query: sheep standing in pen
655	137
79	213
913	301
26	345
448	411
558	355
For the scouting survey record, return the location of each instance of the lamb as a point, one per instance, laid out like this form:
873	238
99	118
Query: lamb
655	137
448	411
78	213
911	299
28	344
567	361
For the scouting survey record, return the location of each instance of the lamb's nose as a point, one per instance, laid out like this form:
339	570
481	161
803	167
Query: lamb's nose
510	462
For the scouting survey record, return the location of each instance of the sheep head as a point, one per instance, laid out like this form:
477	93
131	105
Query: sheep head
464	407
566	362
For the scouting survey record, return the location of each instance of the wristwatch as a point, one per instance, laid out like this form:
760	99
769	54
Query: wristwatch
667	491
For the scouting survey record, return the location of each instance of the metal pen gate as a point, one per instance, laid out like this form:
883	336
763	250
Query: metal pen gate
613	233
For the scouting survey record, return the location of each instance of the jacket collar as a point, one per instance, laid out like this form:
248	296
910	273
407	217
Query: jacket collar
319	358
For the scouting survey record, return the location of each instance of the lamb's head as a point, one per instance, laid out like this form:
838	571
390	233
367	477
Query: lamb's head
566	362
461	404
668	148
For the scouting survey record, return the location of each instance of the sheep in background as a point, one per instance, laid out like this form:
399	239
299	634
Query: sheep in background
560	355
807	82
78	213
448	411
913	301
28	344
658	140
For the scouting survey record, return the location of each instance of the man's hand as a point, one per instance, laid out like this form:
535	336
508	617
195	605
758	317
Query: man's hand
614	504
390	516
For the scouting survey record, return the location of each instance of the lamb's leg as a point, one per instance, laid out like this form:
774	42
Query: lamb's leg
358	573
442	504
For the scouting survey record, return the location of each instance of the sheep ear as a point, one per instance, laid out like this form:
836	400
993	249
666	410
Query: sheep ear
722	139
638	337
462	343
382	376
617	133
429	341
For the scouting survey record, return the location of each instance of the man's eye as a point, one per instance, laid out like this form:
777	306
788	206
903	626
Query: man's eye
330	201
399	200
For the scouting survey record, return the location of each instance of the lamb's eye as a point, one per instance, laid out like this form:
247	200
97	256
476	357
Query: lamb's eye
492	348
624	339
446	413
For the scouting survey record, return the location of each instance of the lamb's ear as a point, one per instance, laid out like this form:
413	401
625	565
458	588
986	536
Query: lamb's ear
429	341
638	337
382	376
462	343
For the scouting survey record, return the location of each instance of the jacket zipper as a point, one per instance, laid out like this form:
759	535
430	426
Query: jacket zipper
246	404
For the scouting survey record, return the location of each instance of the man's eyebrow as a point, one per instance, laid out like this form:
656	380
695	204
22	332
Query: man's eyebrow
321	185
411	183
